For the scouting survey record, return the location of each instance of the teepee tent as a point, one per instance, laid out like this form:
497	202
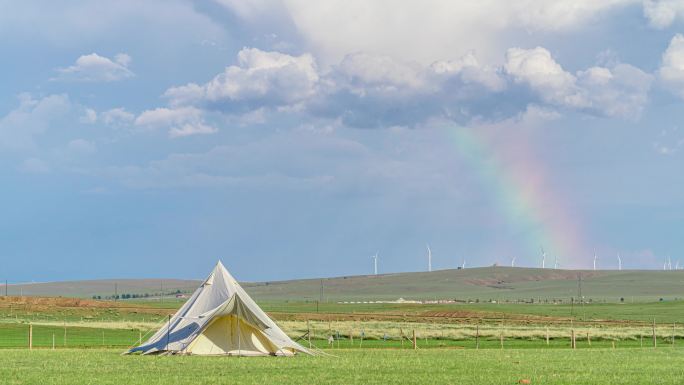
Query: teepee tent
220	318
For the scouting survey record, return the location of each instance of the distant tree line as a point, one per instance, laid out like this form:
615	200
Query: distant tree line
134	295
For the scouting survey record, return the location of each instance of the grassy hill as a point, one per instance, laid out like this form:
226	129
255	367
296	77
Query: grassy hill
495	283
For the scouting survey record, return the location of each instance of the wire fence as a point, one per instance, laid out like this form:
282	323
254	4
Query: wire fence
377	334
23	335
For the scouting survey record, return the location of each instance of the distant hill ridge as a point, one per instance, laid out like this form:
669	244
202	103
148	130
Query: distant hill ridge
496	283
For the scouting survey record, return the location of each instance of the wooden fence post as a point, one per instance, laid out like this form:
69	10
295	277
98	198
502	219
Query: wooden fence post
30	340
308	332
65	341
53	341
641	339
477	336
415	345
401	337
673	333
655	341
588	339
572	339
351	337
139	337
547	336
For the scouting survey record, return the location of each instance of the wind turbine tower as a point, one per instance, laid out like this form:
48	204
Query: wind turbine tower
375	263
463	265
543	258
619	262
555	263
429	257
513	262
595	260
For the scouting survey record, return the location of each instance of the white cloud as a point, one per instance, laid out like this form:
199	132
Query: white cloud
89	116
368	90
620	91
662	13
671	72
96	68
116	117
270	78
422	30
183	121
33	117
536	68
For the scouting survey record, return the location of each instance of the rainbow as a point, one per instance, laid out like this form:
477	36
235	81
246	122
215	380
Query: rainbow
519	186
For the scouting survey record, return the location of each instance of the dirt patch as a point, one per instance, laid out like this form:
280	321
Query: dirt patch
57	304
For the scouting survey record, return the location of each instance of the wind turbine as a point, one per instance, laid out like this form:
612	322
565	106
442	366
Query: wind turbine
595	259
375	263
543	258
429	257
669	263
677	265
555	262
619	262
513	262
463	265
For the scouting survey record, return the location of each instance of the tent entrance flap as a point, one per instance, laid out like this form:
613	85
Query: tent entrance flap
230	335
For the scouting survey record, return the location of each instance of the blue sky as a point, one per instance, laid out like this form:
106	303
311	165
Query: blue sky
295	139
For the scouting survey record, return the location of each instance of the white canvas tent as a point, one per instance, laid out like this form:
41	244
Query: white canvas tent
220	318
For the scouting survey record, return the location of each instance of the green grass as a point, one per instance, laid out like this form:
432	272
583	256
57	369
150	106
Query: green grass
17	335
663	312
437	366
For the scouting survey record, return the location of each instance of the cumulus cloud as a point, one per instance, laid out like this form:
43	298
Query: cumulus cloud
96	68
368	90
620	91
671	72
662	13
262	78
33	117
183	121
424	30
117	116
89	116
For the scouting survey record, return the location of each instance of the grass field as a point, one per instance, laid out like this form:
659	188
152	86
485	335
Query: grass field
445	366
457	342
